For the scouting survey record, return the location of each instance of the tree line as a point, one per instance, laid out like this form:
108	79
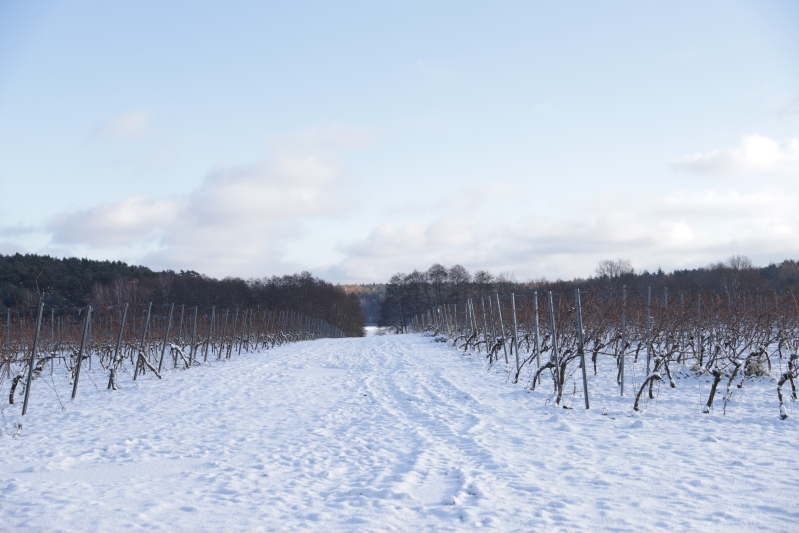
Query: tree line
72	282
407	295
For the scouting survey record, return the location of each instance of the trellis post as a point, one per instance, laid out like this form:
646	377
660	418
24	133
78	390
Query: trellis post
80	351
580	344
33	357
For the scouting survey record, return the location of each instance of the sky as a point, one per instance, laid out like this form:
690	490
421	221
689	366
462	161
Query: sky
361	139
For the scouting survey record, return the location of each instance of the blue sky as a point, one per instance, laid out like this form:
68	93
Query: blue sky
356	140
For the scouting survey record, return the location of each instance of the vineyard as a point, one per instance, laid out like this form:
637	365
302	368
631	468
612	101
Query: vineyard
50	346
551	338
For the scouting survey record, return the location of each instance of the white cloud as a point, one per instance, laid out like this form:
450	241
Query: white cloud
112	224
755	154
726	203
237	220
682	230
125	126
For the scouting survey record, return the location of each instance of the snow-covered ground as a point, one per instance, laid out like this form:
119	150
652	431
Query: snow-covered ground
390	433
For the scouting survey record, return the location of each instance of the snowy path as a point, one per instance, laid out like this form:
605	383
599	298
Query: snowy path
392	433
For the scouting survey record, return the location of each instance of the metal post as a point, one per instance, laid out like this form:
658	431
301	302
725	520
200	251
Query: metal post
139	361
166	337
33	357
80	351
580	343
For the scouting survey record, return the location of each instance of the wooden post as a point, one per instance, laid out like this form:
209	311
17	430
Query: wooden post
699	327
80	351
580	343
682	326
515	333
233	334
554	343
166	337
89	346
261	330
210	329
485	325
112	376
8	330
192	348
180	326
52	336
493	323
139	361
623	334
224	332
33	357
249	330
536	338
502	329
648	330
243	329
240	339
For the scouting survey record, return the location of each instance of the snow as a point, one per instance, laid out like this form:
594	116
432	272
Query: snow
391	433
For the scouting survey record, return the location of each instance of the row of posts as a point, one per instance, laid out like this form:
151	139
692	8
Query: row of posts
444	318
312	328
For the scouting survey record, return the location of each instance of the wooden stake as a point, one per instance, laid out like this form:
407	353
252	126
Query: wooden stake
166	336
33	357
502	330
554	343
515	334
112	376
580	349
143	339
80	351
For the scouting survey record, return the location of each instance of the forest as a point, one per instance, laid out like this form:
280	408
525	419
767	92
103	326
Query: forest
73	283
407	295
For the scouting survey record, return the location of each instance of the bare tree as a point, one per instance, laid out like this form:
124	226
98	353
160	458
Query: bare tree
460	278
437	275
483	281
614	269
